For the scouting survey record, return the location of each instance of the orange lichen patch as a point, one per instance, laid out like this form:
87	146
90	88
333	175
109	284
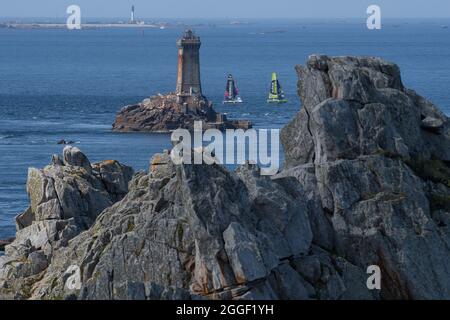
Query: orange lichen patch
108	162
104	165
157	161
335	93
200	286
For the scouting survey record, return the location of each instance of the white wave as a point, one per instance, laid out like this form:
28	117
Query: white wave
90	126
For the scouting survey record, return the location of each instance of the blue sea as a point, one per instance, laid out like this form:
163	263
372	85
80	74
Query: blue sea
60	84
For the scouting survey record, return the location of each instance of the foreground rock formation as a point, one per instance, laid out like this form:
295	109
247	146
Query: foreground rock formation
165	114
367	182
373	159
65	199
196	232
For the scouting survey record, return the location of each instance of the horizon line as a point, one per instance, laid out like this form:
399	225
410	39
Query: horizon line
223	18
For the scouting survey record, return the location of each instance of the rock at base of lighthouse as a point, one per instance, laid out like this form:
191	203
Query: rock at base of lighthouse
164	113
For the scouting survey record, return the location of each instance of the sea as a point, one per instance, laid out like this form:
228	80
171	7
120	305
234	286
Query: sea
61	84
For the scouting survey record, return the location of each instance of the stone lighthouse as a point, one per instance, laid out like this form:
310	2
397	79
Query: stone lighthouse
189	87
182	109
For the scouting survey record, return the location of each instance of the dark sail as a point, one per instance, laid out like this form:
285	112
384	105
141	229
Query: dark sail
231	91
276	88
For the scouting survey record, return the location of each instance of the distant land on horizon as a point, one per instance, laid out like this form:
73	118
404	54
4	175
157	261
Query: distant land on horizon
62	19
163	23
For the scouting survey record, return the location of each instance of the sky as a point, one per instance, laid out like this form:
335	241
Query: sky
211	9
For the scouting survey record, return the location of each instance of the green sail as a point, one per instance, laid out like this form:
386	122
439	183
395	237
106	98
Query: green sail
276	94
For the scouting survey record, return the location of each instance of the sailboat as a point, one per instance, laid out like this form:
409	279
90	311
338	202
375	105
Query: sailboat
276	94
232	92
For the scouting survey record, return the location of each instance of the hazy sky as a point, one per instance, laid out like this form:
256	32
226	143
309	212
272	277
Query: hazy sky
227	8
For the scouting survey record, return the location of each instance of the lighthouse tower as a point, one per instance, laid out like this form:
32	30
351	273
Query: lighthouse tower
132	14
188	82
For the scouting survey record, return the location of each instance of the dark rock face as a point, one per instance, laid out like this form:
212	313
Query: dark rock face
366	182
165	114
373	159
358	106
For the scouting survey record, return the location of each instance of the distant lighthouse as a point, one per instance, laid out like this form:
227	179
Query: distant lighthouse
132	14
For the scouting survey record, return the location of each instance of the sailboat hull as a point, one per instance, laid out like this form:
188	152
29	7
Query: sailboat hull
232	102
279	101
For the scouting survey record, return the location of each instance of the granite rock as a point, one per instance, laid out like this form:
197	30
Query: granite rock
66	198
372	158
164	113
356	106
191	231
